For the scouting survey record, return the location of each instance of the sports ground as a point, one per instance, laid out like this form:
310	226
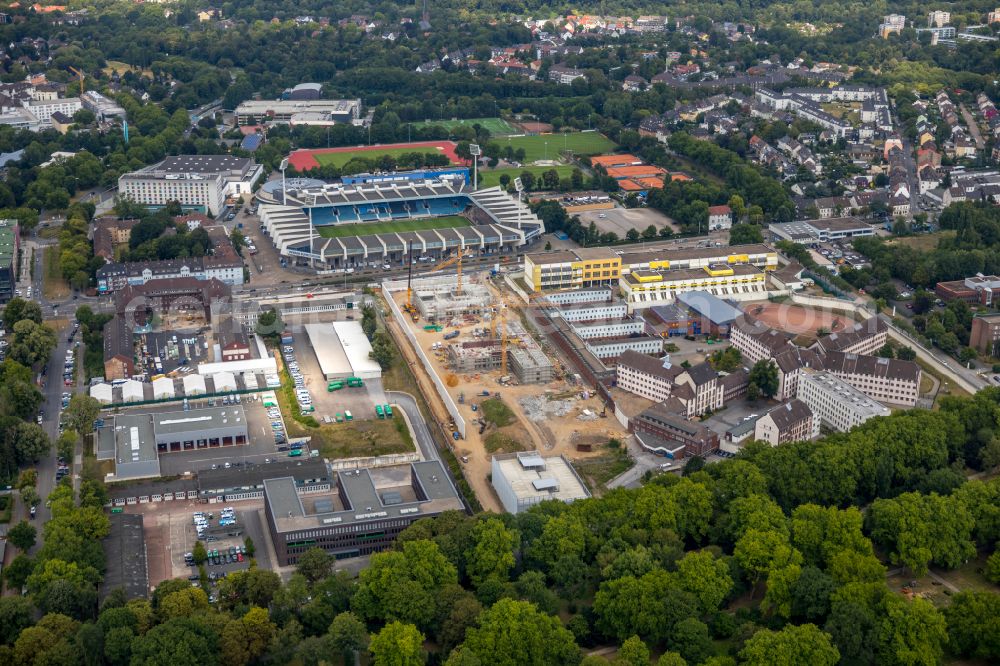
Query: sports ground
304	159
396	226
796	318
492	177
549	146
495	126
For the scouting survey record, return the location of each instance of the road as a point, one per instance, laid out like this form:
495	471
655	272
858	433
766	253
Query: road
973	127
421	434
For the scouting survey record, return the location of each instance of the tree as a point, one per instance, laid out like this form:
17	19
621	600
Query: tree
920	529
66	444
22	535
398	644
269	324
804	644
16	614
382	350
199	553
179	640
974	625
887	351
633	652
18	309
492	554
649	233
726	360
31	442
368	321
347	635
16	573
315	564
632	235
764	376
513	633
81	412
744	234
402	585
906	354
706	577
31	343
691	639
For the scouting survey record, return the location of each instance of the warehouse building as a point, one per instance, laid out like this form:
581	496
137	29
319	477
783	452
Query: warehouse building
525	479
299	111
125	555
342	350
135	441
644	288
357	512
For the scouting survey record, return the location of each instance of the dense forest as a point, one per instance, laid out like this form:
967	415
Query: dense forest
779	556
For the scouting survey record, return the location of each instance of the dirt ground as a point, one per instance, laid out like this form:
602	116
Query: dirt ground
554	435
796	318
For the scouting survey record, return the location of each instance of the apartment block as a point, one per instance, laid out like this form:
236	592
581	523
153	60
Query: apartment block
835	403
887	380
788	422
985	336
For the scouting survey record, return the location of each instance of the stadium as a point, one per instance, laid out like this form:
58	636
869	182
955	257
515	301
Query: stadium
370	220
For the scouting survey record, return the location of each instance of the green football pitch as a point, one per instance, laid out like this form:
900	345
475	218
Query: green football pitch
549	146
396	226
341	158
492	177
495	126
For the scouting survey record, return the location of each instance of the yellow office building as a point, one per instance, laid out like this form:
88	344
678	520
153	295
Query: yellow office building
572	269
646	288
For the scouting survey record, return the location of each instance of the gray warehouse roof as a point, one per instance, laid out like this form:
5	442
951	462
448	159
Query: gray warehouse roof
125	553
710	306
197	420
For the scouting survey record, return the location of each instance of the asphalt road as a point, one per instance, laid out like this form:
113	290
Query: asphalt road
421	434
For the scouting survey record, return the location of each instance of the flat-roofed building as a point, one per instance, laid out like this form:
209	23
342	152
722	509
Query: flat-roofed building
835	403
821	230
10	243
342	350
197	182
644	288
125	555
136	440
978	290
788	422
255	112
887	380
985	336
527	478
572	269
356	512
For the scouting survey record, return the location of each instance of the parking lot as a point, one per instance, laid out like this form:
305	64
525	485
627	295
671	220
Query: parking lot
620	220
734	413
360	401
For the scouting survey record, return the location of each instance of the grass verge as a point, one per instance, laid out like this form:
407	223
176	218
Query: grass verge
598	470
495	411
54	286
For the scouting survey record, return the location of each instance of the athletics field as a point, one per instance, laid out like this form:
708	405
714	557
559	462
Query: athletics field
549	146
396	226
306	159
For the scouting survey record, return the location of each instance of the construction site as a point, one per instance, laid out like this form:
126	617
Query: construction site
467	338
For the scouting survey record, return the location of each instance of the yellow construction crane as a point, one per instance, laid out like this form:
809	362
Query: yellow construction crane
457	261
79	75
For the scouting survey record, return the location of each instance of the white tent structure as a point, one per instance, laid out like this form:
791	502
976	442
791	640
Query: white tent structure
132	391
250	382
194	385
224	381
163	388
101	393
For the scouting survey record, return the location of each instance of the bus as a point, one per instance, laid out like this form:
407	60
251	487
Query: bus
388	411
295	453
379	412
355	381
334	386
348	415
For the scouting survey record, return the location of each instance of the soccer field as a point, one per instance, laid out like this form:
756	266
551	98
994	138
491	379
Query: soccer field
396	226
491	178
549	146
342	158
495	126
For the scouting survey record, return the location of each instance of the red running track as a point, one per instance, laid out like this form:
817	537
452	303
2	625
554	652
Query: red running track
305	159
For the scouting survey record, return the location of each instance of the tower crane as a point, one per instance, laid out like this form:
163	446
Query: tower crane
457	262
79	75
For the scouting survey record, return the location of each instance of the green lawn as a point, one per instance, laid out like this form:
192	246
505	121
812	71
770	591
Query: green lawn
495	126
540	146
341	158
491	178
396	226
